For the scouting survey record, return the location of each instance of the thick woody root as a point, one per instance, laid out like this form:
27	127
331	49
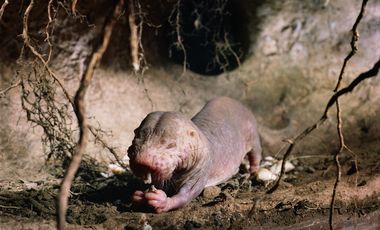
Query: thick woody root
79	108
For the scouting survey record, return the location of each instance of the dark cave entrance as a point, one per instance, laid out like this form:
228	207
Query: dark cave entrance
213	33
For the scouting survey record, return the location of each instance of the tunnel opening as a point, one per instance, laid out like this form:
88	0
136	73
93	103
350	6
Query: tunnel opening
210	36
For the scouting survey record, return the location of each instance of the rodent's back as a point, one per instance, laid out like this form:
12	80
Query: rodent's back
230	128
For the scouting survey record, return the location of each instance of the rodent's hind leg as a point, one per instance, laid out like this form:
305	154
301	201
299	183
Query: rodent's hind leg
254	158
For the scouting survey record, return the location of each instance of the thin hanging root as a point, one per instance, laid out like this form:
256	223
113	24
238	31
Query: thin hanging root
2	9
178	31
134	39
342	146
74	7
47	31
45	63
80	112
179	37
354	40
5	91
337	163
25	36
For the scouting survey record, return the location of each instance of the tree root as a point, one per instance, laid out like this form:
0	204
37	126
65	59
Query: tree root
80	113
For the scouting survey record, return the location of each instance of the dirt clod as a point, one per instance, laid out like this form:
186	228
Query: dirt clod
211	192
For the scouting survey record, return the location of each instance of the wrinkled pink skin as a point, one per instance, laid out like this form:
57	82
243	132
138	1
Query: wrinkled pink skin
185	156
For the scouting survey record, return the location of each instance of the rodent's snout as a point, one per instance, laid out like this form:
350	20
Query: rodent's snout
140	170
132	151
147	173
148	163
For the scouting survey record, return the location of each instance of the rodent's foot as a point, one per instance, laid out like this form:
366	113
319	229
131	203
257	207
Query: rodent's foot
254	169
158	200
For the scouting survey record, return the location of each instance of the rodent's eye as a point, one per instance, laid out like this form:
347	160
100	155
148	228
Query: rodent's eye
191	133
171	145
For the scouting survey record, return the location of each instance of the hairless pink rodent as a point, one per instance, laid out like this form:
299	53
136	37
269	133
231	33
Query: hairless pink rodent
181	156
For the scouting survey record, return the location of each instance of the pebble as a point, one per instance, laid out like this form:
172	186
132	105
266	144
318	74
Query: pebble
265	175
146	226
211	192
276	168
268	161
269	158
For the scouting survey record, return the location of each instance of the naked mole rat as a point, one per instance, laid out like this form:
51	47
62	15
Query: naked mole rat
181	156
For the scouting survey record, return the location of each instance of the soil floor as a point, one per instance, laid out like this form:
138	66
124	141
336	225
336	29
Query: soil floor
301	201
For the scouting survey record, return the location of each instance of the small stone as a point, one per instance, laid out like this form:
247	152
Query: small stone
264	175
276	168
289	166
146	226
267	162
211	192
269	158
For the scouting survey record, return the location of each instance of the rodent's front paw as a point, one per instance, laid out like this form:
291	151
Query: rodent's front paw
158	200
138	197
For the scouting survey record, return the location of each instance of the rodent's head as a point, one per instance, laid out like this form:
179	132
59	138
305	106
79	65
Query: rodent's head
157	156
159	147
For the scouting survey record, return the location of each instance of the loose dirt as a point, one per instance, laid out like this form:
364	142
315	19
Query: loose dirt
302	201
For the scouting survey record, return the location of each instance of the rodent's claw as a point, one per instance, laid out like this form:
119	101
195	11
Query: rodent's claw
158	200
